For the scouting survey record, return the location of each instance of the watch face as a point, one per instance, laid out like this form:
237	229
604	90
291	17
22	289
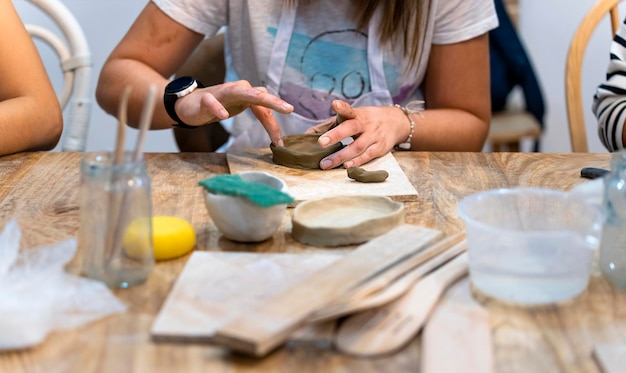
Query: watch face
179	84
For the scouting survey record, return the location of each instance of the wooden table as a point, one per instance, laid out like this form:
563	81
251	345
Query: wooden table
41	190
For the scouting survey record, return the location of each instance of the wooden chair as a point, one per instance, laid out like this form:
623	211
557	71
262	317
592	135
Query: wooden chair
511	68
509	128
573	71
75	62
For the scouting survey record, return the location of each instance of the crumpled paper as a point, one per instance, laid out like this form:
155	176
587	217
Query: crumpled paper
37	296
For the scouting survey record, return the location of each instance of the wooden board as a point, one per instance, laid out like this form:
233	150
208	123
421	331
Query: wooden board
214	286
308	184
610	357
457	337
260	329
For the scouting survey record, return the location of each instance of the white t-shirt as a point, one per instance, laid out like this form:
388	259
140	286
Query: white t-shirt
327	55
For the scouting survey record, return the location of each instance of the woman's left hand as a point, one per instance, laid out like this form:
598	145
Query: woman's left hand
375	130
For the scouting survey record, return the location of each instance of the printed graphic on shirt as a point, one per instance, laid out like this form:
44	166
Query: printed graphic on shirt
328	66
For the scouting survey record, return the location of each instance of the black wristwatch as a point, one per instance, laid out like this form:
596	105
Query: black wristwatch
178	88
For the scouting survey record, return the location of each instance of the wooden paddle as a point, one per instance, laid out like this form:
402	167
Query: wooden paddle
388	328
260	329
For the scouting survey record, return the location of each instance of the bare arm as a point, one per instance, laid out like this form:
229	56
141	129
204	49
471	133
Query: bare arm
457	115
458	100
30	114
152	50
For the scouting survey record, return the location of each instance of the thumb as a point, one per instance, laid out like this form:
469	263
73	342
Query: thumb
343	109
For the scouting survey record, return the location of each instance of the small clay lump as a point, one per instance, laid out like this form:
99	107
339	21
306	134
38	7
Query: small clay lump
364	176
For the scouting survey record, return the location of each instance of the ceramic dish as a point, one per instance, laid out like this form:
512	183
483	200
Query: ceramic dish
345	220
241	220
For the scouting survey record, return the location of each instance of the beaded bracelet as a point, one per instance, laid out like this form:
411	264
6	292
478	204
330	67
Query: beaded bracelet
413	107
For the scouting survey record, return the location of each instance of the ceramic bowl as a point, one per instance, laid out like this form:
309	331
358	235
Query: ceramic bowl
345	220
238	219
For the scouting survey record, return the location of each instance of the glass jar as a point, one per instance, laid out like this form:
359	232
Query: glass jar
115	236
613	246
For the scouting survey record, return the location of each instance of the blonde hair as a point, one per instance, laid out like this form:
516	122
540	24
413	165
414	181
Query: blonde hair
402	23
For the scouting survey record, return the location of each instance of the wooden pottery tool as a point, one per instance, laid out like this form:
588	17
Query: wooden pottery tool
119	201
115	200
610	357
383	281
355	302
144	121
121	127
457	336
259	330
388	328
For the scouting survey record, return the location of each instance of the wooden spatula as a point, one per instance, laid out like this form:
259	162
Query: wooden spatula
457	336
393	291
610	357
384	280
388	328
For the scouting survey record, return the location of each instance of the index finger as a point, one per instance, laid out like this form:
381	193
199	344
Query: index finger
265	116
263	98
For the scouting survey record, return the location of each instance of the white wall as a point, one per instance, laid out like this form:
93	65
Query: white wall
104	22
546	27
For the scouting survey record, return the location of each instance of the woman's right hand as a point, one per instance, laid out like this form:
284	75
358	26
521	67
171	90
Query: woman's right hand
152	50
218	102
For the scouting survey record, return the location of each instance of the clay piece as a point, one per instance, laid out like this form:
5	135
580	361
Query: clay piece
345	220
302	151
364	176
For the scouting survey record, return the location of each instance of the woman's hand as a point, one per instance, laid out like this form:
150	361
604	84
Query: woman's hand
153	49
375	129
222	101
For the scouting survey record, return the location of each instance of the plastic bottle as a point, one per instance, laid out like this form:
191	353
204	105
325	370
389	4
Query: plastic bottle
613	245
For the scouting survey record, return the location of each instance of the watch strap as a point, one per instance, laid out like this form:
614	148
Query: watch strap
171	96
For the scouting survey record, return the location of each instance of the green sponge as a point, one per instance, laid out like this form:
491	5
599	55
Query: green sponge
234	185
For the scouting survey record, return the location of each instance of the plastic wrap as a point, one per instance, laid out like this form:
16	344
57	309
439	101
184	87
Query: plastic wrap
37	296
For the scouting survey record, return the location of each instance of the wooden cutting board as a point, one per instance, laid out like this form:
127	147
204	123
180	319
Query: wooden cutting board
214	286
309	184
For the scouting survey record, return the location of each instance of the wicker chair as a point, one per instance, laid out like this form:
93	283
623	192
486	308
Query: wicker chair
75	61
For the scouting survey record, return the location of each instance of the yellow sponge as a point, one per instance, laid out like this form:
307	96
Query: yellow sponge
171	237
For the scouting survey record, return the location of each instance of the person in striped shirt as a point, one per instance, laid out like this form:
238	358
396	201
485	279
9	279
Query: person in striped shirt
609	101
